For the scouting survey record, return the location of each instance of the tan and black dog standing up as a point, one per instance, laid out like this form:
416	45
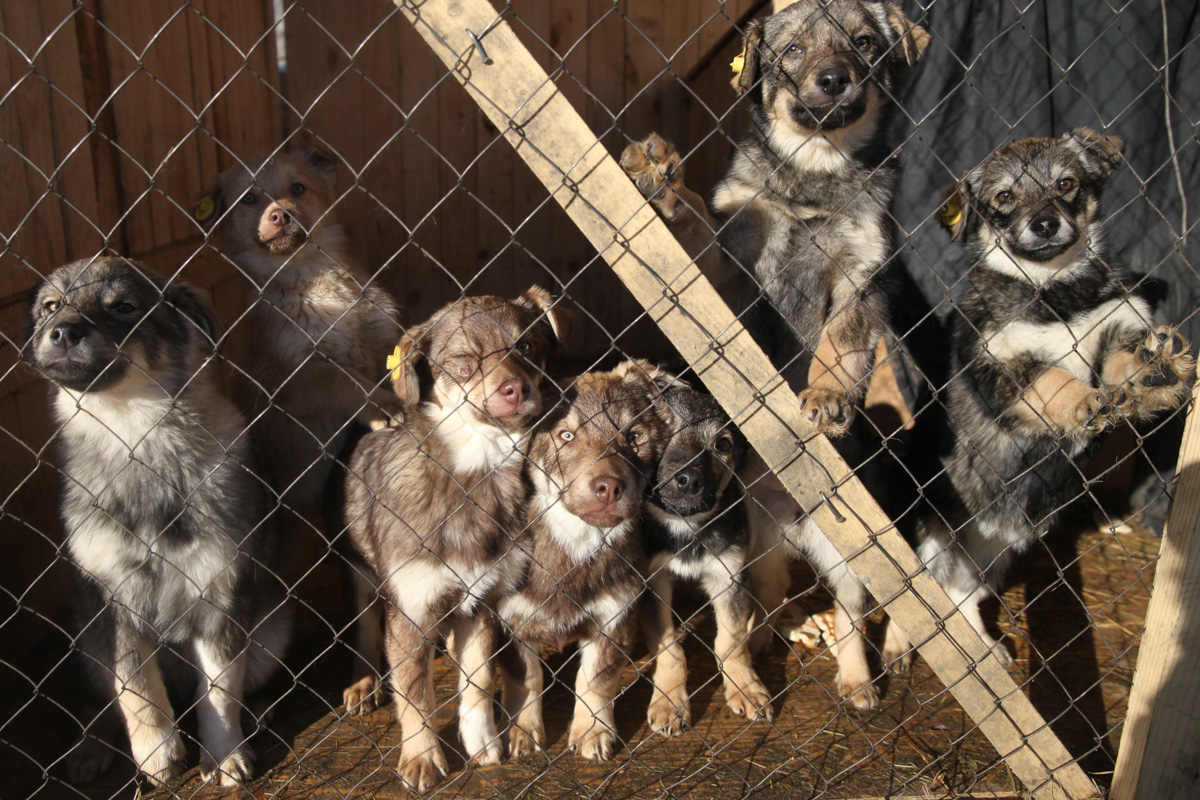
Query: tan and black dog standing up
589	463
434	508
802	219
1050	347
320	325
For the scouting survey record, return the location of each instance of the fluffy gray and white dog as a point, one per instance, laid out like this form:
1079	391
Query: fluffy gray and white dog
162	519
1051	346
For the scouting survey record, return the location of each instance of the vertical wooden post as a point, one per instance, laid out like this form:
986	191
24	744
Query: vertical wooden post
1159	757
521	100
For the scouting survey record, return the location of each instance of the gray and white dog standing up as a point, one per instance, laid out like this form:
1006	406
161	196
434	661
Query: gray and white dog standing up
803	219
162	518
1051	346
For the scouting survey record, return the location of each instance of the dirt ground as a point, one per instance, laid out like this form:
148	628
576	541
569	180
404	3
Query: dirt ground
1078	607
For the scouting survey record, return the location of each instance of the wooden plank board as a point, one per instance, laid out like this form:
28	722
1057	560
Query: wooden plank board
1159	758
588	183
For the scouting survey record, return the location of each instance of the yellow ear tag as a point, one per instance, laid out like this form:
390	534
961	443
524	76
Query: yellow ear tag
205	207
394	361
952	213
739	61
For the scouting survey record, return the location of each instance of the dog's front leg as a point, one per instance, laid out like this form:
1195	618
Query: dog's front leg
225	757
410	658
1154	371
728	586
837	376
473	648
593	724
361	696
523	699
1058	402
142	697
670	710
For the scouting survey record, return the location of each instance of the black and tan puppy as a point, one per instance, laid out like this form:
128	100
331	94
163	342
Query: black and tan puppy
803	214
589	462
803	217
320	324
1050	348
695	528
434	508
162	517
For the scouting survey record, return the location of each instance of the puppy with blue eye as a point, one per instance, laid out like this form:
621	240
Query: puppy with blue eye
590	460
163	520
1051	346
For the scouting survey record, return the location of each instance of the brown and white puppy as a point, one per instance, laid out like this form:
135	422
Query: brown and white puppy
589	463
695	527
320	324
1050	347
434	508
163	520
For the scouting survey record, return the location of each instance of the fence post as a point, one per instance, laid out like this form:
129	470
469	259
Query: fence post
1159	758
522	101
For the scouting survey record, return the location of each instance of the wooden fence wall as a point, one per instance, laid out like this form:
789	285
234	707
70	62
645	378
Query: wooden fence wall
116	115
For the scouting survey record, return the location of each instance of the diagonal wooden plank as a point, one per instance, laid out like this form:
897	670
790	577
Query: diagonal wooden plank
565	155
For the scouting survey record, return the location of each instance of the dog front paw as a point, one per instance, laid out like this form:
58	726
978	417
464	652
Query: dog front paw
1101	408
361	697
1165	364
384	410
749	699
596	744
88	760
655	167
421	773
525	740
669	716
828	412
234	770
165	764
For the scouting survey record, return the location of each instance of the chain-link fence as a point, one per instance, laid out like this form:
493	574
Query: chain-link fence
418	486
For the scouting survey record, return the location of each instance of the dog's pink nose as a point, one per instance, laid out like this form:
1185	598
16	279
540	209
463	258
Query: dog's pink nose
278	217
607	488
514	391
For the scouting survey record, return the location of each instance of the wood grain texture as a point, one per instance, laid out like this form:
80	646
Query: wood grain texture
581	176
1159	758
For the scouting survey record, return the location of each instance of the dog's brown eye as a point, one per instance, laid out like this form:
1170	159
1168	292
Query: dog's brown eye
795	50
863	42
631	438
1066	184
249	199
297	188
566	436
724	444
1004	197
50	306
124	308
523	348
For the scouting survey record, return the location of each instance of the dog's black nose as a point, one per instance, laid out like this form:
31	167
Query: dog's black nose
1045	225
66	335
833	81
689	480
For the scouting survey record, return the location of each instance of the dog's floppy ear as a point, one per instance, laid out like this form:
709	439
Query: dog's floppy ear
746	74
913	38
640	370
402	364
561	320
1101	154
194	304
955	208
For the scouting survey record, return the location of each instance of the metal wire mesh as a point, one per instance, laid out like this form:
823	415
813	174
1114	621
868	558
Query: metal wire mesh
118	117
